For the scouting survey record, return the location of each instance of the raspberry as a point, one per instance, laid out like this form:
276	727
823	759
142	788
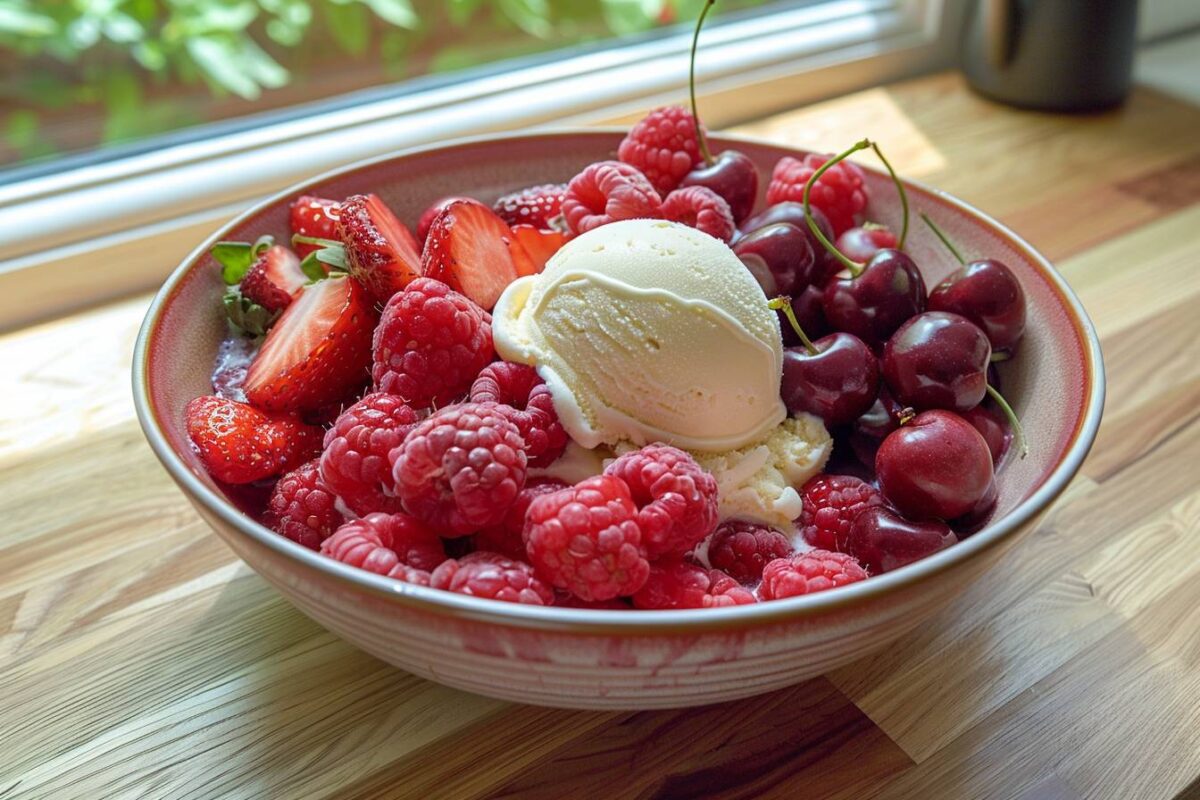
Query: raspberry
701	208
430	344
742	549
676	499
518	387
605	192
814	571
355	462
663	146
380	543
507	538
460	469
831	502
536	205
840	192
586	539
680	584
303	508
491	575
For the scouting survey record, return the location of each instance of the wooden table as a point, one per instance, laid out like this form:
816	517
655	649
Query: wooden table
138	658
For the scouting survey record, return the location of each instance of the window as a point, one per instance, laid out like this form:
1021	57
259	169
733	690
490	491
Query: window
106	78
155	145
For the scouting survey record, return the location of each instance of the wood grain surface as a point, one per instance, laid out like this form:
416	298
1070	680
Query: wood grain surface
140	659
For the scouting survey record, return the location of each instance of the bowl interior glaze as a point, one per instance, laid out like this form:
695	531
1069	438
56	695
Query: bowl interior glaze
1059	356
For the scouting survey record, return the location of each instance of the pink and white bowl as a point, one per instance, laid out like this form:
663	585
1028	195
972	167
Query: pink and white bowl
582	658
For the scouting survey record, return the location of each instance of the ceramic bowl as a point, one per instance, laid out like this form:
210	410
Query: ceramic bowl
623	659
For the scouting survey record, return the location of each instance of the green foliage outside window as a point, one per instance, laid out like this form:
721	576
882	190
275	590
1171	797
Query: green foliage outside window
130	68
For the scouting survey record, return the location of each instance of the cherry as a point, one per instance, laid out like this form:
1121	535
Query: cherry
836	378
937	466
806	305
985	292
793	214
870	429
882	540
876	298
993	427
937	360
860	244
978	516
778	256
731	174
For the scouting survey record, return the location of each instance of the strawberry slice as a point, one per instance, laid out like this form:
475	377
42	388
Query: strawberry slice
531	248
468	249
430	214
382	253
313	216
318	352
275	279
239	444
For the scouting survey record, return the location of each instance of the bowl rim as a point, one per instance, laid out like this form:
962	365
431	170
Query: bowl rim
602	621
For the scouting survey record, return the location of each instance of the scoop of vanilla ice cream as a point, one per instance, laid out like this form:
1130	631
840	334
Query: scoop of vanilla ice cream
646	330
758	481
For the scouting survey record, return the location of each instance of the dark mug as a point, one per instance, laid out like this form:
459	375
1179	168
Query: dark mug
1056	55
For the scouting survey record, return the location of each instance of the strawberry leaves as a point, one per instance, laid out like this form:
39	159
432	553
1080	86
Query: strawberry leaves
329	252
245	314
236	258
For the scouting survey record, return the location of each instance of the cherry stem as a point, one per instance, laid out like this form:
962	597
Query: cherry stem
700	138
903	195
784	304
853	266
1001	356
945	239
1011	416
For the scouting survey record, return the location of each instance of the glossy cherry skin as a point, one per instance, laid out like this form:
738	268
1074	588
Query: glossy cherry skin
937	360
935	467
987	293
837	384
978	516
992	425
886	294
882	540
779	257
731	175
870	429
861	244
806	305
793	214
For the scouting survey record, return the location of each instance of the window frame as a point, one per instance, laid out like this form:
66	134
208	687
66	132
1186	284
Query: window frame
137	215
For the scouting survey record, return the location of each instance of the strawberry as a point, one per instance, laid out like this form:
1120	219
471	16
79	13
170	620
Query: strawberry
313	216
531	248
382	253
468	249
535	205
430	214
274	279
318	351
240	444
